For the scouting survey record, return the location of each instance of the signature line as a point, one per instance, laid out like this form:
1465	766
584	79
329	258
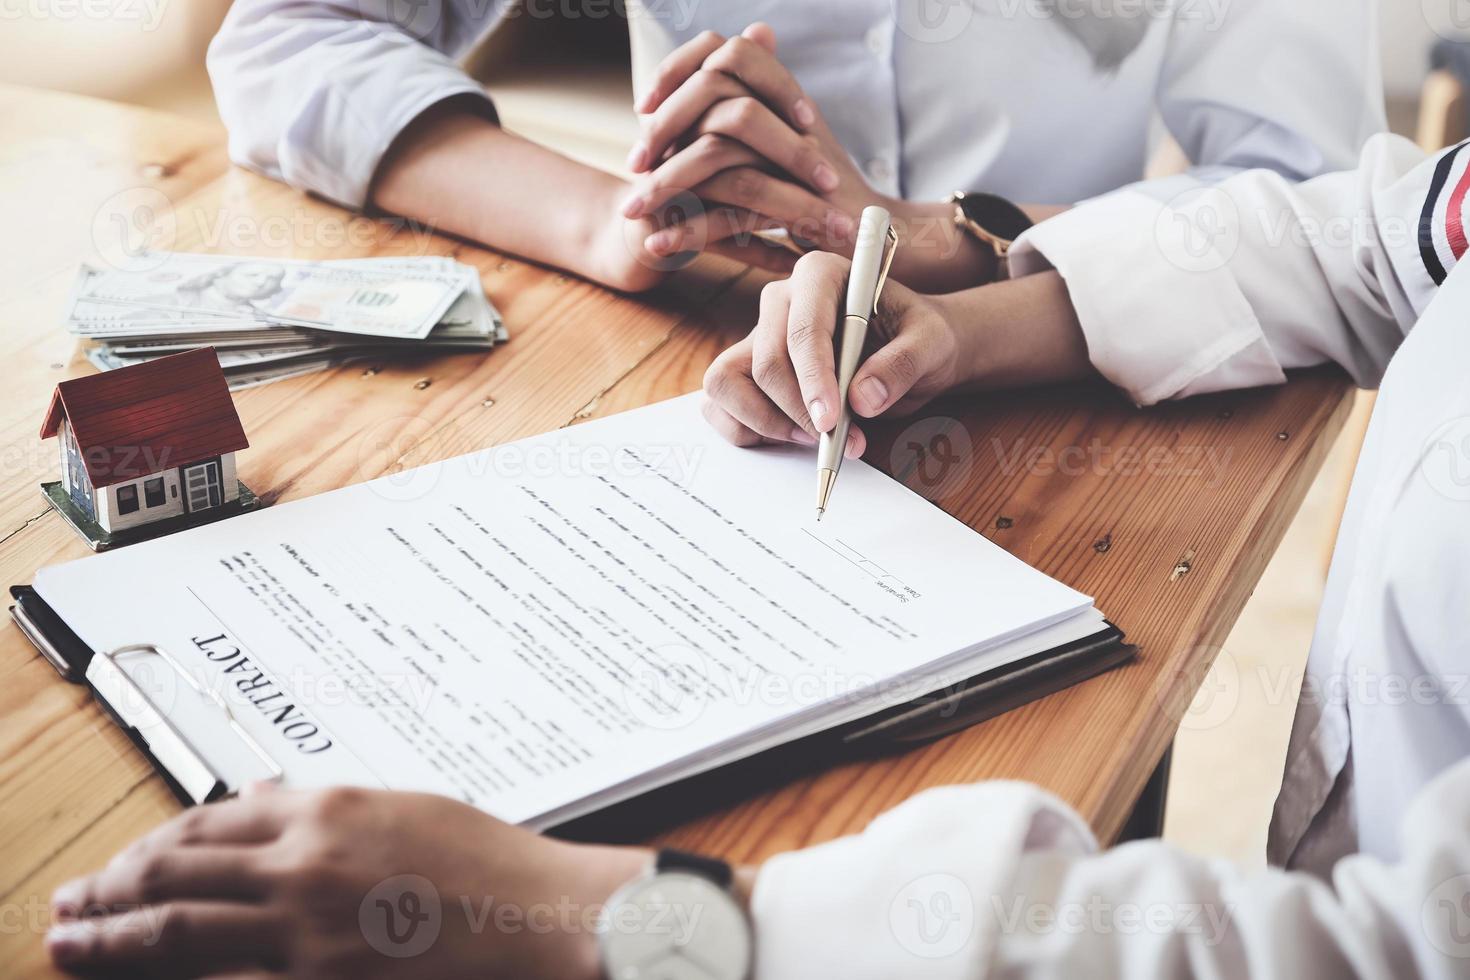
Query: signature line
861	562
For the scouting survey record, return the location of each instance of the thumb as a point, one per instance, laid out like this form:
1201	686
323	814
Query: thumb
761	33
887	376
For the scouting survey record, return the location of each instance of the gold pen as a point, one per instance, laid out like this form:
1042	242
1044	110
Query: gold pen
871	260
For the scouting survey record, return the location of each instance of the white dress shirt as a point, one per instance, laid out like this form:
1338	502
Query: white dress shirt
1017	97
1002	880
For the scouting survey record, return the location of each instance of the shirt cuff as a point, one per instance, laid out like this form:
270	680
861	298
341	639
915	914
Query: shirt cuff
1161	313
911	895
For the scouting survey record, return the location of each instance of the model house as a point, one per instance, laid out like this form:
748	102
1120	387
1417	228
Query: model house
146	443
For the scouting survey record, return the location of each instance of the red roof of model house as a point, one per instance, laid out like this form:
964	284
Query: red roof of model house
153	416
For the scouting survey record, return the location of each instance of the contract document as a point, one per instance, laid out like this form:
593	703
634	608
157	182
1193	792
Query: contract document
551	626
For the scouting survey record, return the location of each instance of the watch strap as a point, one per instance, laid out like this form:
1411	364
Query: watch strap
991	218
717	871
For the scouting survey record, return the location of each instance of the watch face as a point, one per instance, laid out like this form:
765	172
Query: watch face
996	215
675	926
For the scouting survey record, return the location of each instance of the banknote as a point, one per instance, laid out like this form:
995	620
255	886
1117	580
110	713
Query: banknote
181	302
364	299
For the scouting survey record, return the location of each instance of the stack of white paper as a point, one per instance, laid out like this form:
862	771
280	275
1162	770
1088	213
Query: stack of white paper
550	626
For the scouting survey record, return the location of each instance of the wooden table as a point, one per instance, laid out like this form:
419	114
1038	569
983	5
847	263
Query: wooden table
1168	516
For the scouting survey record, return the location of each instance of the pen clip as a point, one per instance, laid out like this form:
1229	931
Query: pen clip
890	248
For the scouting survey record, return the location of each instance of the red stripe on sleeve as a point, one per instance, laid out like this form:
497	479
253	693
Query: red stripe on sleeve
1454	217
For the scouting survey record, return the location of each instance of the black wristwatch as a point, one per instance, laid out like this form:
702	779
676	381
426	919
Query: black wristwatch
992	219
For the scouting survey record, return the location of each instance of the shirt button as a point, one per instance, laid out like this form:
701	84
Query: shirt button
879	169
877	39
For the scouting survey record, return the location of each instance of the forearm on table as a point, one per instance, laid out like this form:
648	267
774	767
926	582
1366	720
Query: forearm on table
1019	332
459	172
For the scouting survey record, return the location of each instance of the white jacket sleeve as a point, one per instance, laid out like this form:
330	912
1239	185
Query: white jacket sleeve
999	880
314	92
1230	285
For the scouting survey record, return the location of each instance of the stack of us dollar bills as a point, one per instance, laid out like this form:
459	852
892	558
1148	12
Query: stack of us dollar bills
270	319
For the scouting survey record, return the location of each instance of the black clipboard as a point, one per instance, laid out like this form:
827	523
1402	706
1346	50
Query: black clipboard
189	774
927	718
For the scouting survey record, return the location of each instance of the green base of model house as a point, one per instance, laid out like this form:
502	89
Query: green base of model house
99	539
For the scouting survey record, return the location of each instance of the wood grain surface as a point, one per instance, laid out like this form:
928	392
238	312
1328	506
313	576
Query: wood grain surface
1167	517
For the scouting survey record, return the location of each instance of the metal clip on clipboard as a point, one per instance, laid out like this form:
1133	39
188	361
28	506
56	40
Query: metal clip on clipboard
189	775
189	772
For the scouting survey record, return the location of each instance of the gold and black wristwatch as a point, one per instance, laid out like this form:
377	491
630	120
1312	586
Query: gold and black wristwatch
993	220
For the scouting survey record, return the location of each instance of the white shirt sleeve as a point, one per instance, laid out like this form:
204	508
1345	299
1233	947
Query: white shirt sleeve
1000	880
1260	84
1228	286
314	92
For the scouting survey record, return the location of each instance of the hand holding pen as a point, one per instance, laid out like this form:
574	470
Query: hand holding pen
780	385
871	260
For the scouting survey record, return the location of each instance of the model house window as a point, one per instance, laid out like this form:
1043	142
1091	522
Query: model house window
74	462
127	499
153	492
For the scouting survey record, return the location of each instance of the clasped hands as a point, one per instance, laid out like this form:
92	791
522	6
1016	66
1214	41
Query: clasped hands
732	145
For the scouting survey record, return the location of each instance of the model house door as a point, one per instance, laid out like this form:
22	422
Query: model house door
202	486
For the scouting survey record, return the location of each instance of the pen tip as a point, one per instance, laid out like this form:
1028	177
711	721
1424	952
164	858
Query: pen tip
825	479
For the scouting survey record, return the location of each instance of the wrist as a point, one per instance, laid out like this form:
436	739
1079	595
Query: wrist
592	235
936	255
1017	333
596	873
967	313
743	884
